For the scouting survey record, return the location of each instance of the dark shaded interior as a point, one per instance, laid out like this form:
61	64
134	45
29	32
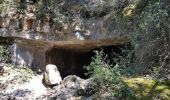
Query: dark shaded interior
70	62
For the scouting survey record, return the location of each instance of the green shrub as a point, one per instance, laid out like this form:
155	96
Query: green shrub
150	37
106	80
3	53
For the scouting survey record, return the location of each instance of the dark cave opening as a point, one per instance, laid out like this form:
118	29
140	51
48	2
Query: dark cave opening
71	62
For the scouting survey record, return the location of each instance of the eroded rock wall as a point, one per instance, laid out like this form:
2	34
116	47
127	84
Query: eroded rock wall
25	55
63	20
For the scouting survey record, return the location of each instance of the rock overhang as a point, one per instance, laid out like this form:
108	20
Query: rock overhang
36	54
76	45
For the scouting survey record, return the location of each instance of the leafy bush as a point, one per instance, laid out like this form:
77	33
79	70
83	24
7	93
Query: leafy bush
148	31
3	53
150	37
106	80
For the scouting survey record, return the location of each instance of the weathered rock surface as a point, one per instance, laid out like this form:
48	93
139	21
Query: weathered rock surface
72	88
93	16
52	75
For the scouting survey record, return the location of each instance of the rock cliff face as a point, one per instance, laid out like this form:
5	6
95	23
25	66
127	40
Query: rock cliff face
60	32
66	20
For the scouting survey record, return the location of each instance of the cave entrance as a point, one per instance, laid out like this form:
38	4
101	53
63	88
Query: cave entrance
71	62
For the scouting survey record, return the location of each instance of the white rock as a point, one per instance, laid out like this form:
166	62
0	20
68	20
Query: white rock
79	36
46	27
52	75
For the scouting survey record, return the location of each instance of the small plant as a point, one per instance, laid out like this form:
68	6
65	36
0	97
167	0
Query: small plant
106	82
3	53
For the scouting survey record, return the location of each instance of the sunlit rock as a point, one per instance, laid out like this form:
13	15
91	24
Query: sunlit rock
52	75
30	15
38	26
3	32
46	27
79	36
21	55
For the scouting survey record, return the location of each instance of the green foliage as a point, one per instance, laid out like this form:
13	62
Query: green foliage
106	80
61	18
3	53
7	4
108	83
3	4
147	89
25	73
157	73
150	37
40	10
124	61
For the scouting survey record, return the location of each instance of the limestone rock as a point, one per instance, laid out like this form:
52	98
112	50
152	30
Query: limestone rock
46	27
73	81
72	88
21	55
52	75
30	15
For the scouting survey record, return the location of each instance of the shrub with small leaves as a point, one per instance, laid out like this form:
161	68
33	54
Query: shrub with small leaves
3	53
106	82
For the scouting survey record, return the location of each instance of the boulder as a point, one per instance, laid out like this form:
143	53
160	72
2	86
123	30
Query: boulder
52	75
73	81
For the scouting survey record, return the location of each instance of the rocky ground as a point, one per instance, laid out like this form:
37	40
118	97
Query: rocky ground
20	83
23	84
